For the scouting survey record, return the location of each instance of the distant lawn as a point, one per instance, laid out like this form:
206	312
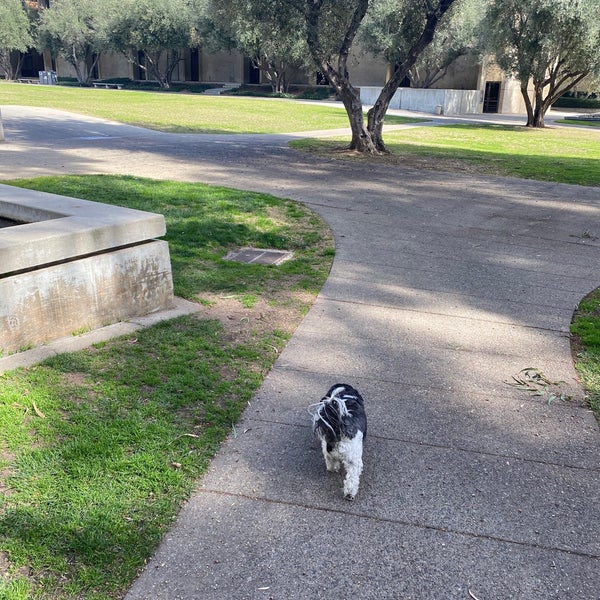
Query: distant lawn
579	122
565	155
184	113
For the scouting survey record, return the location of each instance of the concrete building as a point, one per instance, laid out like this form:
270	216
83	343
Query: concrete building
479	86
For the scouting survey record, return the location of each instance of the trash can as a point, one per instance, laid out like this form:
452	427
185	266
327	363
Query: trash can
48	78
439	109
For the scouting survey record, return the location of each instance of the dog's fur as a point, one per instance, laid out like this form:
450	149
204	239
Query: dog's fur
340	423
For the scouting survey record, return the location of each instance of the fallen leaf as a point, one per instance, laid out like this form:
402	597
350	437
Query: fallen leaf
38	412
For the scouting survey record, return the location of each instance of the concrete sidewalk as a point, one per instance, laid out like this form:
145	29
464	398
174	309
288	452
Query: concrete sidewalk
443	288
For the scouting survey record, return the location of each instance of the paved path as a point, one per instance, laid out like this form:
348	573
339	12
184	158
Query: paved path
443	287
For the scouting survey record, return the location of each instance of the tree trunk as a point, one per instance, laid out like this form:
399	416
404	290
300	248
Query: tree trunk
528	105
537	116
377	113
362	140
6	65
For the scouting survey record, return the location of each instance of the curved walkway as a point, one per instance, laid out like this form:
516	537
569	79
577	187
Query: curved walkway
443	287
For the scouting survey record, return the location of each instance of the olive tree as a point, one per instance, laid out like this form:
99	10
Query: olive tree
268	33
153	33
76	30
15	36
331	30
549	46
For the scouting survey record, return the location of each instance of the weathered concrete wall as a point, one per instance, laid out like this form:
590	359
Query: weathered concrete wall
434	101
61	228
76	265
84	294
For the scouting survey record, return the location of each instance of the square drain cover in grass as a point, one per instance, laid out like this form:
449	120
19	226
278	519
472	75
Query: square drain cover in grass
259	256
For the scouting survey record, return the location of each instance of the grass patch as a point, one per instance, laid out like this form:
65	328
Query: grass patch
189	113
561	155
580	122
99	448
585	340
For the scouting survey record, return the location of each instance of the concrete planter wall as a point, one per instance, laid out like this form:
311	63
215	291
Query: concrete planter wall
75	266
434	101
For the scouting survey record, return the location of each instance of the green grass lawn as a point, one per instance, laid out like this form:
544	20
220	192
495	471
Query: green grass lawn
566	155
586	331
99	448
184	113
595	123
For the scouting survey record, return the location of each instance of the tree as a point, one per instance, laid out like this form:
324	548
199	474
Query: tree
152	35
77	30
15	35
271	36
454	37
550	45
331	29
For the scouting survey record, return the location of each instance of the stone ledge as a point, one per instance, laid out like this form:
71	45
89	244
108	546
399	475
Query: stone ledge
59	228
76	265
84	294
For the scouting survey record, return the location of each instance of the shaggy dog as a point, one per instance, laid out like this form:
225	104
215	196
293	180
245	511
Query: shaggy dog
340	423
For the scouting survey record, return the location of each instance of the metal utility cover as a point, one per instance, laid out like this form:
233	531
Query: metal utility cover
259	256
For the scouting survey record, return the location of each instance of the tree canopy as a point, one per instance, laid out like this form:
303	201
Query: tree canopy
270	34
152	34
77	30
547	45
15	34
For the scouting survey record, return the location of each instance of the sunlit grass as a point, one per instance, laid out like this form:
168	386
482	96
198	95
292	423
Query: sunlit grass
595	123
586	332
184	113
565	155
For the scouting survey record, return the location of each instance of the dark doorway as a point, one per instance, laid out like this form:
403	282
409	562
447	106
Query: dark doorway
142	73
253	73
194	64
322	79
491	99
33	63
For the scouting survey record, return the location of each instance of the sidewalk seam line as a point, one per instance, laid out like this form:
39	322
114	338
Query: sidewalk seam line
435	528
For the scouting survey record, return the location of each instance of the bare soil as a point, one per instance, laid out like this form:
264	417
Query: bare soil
280	311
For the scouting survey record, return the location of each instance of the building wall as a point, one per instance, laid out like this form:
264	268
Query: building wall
223	67
462	74
114	65
367	71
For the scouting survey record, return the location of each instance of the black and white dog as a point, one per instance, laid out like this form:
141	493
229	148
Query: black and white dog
340	423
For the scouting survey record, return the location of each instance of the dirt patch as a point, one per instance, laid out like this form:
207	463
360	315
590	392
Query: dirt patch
280	311
4	563
412	161
77	379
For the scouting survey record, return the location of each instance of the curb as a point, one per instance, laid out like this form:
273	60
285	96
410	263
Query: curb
75	343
